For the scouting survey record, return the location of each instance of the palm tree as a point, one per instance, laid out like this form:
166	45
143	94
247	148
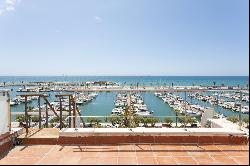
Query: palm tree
177	112
126	118
214	83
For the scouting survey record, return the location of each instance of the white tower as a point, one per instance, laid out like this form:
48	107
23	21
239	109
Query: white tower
5	120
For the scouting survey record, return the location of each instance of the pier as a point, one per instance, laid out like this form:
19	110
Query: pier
106	86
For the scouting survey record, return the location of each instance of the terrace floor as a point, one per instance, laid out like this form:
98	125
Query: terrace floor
136	154
41	133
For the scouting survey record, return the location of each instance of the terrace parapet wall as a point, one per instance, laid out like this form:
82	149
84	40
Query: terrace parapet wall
97	136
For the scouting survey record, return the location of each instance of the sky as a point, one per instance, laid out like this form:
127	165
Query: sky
124	37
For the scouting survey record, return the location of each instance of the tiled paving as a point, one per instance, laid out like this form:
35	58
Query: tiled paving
134	154
41	133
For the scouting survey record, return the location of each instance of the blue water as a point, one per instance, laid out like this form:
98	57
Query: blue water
104	103
100	106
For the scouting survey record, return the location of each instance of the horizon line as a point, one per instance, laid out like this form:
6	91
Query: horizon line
124	75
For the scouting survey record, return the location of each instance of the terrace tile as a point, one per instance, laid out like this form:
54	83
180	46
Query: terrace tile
225	160
127	154
205	160
165	161
147	161
106	161
241	160
85	160
185	160
127	160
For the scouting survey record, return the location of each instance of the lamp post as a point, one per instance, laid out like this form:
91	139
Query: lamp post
185	108
240	117
176	118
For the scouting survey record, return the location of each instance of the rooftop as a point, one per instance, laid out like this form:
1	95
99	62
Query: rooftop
157	154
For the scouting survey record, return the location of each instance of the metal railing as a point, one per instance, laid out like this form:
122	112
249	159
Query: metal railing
70	121
130	121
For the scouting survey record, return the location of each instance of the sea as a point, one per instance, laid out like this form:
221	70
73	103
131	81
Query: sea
104	103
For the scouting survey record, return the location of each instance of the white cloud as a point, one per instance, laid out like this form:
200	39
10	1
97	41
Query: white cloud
10	2
8	6
97	18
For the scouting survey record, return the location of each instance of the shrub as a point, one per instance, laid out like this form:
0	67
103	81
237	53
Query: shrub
30	108
192	120
208	124
149	120
183	120
20	118
168	121
233	119
114	120
246	120
94	122
153	121
187	120
145	121
136	120
54	120
35	119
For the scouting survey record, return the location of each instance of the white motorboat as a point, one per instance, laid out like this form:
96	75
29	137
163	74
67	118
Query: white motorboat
245	110
12	103
117	111
143	113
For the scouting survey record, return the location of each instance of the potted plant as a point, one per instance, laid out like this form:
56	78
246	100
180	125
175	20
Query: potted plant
192	122
94	122
153	121
168	122
233	119
114	120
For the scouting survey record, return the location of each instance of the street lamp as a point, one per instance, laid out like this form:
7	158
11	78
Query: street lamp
240	117
185	100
